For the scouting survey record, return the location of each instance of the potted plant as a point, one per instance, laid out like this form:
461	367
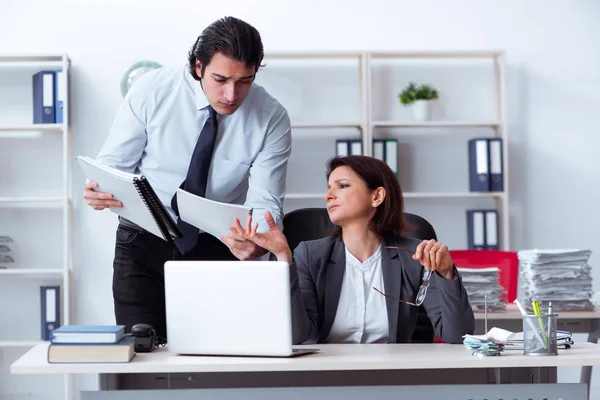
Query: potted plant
418	97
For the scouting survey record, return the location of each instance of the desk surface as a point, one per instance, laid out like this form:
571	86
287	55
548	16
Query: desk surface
513	313
332	357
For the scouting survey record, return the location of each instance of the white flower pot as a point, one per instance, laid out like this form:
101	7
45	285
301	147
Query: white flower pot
421	110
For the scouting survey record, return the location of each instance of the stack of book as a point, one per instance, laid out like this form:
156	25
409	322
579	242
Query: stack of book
5	257
562	277
482	282
90	344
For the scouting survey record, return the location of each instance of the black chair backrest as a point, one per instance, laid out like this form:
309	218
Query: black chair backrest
314	223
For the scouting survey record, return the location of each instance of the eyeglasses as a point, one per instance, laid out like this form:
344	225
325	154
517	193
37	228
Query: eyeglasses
425	279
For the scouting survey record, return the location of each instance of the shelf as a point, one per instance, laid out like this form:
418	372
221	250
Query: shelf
32	58
312	55
32	202
291	196
32	127
32	272
452	195
325	125
437	54
436	124
416	195
19	343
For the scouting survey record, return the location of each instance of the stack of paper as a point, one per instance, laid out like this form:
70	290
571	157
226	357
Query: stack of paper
481	346
508	340
562	277
480	282
5	257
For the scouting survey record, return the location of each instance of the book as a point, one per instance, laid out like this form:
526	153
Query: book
121	352
210	216
88	334
141	205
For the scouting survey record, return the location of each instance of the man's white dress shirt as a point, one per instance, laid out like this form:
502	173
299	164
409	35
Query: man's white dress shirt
158	124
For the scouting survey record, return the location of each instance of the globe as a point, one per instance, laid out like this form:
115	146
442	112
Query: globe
134	72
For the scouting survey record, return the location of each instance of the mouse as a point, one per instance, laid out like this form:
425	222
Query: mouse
143	330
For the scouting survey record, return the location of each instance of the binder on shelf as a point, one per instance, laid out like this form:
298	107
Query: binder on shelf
476	229
391	154
348	147
386	150
43	97
50	310
491	230
356	147
60	90
141	204
479	174
496	166
342	148
379	149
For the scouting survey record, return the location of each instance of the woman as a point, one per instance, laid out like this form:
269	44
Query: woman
365	283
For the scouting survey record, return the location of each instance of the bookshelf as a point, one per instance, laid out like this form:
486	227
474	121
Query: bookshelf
36	212
351	95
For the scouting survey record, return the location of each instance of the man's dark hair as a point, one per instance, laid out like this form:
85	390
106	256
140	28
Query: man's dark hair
231	37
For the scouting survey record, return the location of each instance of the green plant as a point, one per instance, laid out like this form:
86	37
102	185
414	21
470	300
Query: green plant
412	93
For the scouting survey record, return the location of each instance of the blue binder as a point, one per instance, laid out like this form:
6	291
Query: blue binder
50	310
496	170
479	176
348	147
342	148
43	97
60	89
476	229
492	230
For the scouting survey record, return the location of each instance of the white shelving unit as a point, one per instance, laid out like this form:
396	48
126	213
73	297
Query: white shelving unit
370	125
24	196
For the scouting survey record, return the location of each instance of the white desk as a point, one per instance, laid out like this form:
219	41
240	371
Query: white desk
334	365
573	321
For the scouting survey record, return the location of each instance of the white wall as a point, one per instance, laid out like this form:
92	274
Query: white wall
553	73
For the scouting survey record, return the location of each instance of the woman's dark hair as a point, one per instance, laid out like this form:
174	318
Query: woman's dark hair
388	220
231	37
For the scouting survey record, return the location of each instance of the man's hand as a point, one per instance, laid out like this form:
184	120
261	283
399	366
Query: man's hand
99	200
241	248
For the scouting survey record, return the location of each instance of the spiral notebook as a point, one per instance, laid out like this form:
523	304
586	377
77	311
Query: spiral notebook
141	205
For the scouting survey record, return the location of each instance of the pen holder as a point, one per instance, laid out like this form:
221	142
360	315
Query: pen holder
539	335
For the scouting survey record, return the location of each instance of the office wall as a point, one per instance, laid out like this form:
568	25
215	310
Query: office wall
553	71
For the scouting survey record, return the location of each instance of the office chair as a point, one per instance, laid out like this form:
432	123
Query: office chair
314	223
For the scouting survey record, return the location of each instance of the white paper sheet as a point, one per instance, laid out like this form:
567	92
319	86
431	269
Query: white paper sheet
208	215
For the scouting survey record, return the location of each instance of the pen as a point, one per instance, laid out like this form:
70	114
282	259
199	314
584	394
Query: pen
531	326
550	318
537	311
250	211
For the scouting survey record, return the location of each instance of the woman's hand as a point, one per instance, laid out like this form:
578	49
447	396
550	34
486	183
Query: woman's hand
435	256
274	240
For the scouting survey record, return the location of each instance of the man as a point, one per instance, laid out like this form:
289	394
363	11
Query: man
209	129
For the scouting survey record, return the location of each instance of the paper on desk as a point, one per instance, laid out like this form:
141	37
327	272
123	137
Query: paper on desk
208	215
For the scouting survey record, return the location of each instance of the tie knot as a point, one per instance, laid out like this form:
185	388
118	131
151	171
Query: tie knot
212	114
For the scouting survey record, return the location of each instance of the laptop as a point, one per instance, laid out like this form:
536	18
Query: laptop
229	308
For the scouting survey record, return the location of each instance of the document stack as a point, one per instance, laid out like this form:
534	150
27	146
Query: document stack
5	257
478	283
562	277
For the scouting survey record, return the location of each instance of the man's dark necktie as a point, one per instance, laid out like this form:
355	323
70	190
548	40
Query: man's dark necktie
196	179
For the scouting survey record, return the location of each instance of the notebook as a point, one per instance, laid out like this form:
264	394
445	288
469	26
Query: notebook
141	205
88	334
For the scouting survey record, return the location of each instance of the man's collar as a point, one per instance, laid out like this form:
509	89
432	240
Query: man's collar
201	100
